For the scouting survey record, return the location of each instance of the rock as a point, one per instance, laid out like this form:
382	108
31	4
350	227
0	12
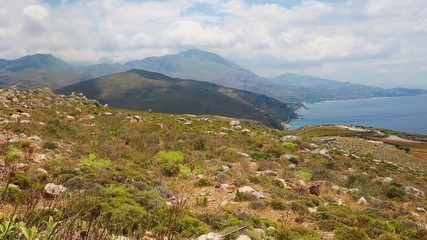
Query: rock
312	209
292	166
41	171
245	155
107	114
289	138
169	203
301	183
35	138
39	158
354	190
388	180
53	190
15	116
2	164
225	168
362	200
209	236
246	130
288	156
246	189
24	114
122	238
421	210
71	118
11	185
137	118
260	195
415	191
234	123
259	231
340	202
267	173
243	237
188	123
223	203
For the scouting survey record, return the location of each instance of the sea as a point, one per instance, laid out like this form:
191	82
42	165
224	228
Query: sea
405	114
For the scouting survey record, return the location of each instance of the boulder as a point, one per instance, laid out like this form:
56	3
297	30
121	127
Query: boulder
41	171
234	123
209	236
2	164
245	155
415	191
362	200
312	209
421	210
53	190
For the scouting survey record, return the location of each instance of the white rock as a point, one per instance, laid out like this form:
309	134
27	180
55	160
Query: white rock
312	209
245	155
362	200
209	236
234	123
421	210
137	118
39	158
340	202
415	191
243	237
292	166
188	123
35	138
246	189
54	190
260	195
288	156
289	138
122	238
68	117
15	116
2	164
388	180
25	115
225	168
41	171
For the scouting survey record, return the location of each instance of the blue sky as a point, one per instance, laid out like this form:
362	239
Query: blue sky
377	42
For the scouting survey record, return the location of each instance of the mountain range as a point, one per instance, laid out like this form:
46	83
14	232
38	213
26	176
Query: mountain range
164	85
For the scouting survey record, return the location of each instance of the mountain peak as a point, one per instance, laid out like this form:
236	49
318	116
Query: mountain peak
38	60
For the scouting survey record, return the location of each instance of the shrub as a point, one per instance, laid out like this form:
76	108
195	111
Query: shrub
171	162
388	236
350	233
204	182
303	175
93	161
22	180
242	196
191	227
13	154
290	145
50	145
278	204
395	191
257	205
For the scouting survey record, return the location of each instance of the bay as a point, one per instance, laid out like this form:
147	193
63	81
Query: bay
406	114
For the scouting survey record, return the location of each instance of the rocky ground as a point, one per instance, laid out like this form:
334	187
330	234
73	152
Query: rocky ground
74	169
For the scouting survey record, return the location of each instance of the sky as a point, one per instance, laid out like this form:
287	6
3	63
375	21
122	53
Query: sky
375	42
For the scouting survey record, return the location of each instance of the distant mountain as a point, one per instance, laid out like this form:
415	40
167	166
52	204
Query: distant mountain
143	90
326	89
39	70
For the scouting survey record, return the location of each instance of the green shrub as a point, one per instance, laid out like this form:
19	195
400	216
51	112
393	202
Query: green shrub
94	162
190	227
290	145
22	180
257	205
302	174
204	182
242	196
13	154
388	236
50	145
396	191
278	204
351	233
171	162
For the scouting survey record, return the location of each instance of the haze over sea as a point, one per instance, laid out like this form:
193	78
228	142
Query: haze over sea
406	114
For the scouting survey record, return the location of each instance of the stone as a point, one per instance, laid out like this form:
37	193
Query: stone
209	236
39	158
53	190
260	195
41	171
71	118
137	118
415	191
188	123
24	114
267	173
225	168
312	209
340	202
362	200
288	156
289	138
245	155
246	189
421	210
388	180
35	138
292	166
234	123
2	164
243	237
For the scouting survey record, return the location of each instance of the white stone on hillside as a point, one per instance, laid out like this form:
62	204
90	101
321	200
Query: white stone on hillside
243	237
289	138
54	190
209	236
234	122
362	200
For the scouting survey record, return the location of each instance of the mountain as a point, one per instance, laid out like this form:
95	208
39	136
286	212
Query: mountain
143	90
39	70
326	89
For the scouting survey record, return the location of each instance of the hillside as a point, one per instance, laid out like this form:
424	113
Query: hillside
74	169
39	70
326	89
143	90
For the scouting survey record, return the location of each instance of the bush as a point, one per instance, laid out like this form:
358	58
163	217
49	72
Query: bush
303	175
395	191
94	162
350	233
290	145
278	204
204	182
13	154
257	205
171	162
22	180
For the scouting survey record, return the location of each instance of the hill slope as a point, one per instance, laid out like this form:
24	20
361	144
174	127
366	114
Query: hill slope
39	70
71	168
143	90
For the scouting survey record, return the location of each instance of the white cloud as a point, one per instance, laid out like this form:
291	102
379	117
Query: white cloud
367	41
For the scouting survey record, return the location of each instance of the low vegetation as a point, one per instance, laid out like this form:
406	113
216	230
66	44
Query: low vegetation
74	169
